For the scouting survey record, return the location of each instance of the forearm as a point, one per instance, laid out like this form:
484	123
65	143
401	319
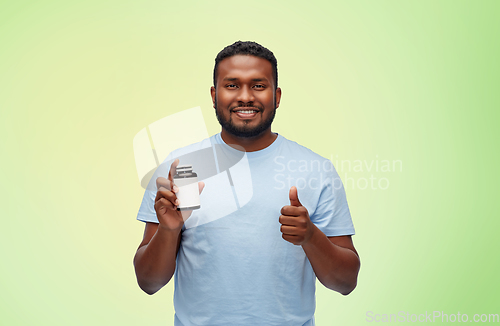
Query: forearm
336	267
155	262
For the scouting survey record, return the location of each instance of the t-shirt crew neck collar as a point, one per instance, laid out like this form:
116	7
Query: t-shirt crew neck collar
256	154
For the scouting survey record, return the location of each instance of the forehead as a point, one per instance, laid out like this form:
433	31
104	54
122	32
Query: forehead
244	66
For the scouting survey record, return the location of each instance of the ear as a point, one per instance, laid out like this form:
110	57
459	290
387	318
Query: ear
278	97
212	93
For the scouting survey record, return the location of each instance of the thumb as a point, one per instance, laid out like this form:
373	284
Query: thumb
294	197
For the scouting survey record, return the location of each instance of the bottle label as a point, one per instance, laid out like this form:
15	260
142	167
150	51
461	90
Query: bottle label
189	194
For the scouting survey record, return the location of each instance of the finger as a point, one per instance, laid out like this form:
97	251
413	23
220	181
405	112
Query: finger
294	197
295	239
289	230
164	203
168	195
291	210
172	171
287	220
201	186
162	182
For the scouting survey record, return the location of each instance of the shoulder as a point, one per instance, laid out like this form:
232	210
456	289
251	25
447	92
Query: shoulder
300	152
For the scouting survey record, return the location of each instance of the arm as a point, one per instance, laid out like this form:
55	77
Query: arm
154	260
333	259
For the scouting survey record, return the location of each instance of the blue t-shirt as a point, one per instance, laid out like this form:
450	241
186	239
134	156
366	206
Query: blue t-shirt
233	266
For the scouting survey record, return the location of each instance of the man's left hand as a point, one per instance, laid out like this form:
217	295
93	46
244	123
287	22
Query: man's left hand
296	226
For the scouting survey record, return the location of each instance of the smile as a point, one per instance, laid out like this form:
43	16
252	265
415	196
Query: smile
246	113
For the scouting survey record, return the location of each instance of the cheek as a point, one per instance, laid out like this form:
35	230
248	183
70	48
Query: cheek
268	99
224	98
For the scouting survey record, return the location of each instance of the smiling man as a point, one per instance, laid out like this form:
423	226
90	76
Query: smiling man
256	265
246	100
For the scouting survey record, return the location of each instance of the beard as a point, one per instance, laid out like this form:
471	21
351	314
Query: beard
244	131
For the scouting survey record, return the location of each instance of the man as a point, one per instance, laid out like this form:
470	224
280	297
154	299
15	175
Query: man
255	265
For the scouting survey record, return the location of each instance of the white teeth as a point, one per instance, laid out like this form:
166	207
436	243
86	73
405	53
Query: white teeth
247	111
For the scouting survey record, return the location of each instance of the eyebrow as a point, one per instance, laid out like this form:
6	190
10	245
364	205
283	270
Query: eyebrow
236	79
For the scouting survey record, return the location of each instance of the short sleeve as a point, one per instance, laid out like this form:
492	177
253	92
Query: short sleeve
147	211
332	215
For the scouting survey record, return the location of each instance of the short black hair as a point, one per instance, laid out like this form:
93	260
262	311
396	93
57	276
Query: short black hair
247	48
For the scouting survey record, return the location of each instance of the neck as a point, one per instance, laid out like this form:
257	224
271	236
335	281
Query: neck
250	144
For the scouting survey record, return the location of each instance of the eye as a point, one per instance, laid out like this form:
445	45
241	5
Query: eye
231	86
259	86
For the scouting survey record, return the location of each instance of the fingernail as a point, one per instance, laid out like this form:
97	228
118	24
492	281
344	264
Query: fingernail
175	188
177	202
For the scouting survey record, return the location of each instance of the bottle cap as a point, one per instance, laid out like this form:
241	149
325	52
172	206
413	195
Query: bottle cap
184	168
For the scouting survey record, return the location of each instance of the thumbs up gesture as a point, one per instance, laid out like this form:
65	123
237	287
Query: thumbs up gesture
296	226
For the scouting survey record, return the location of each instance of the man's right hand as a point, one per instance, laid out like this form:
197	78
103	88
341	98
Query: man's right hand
155	258
166	201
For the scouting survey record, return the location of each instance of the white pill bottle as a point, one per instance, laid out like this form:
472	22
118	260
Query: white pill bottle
187	182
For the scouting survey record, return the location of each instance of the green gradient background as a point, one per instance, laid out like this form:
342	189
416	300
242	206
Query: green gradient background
415	81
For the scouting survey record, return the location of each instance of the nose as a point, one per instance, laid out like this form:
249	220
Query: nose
245	95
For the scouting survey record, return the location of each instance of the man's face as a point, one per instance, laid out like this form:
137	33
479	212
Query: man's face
245	100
